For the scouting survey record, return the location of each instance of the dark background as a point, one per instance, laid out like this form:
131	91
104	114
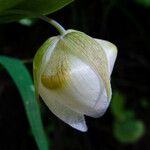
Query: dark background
124	23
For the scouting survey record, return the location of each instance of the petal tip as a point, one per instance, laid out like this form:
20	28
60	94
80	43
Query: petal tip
81	127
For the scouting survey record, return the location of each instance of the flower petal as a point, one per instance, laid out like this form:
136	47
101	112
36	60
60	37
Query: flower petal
77	83
41	57
74	119
111	53
87	49
77	86
72	75
101	105
83	88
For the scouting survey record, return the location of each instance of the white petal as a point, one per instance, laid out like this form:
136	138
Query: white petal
82	91
86	91
101	105
74	119
41	58
91	52
111	53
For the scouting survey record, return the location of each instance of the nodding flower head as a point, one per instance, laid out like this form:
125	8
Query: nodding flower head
72	75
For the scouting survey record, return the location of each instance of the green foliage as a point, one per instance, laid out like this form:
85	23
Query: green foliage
128	131
126	128
145	3
23	81
6	4
38	6
42	6
117	105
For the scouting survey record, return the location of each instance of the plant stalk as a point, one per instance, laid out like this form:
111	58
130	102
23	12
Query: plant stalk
54	23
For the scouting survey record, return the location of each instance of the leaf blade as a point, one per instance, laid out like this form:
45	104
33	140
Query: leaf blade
43	6
37	6
6	4
23	81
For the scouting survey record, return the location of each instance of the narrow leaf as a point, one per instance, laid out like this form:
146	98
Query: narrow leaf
23	81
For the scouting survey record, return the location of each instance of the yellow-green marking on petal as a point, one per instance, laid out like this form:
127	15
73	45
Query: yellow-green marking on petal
54	81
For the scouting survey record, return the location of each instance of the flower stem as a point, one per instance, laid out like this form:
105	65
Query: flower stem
55	24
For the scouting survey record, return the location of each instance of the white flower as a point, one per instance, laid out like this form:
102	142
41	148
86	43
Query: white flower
72	75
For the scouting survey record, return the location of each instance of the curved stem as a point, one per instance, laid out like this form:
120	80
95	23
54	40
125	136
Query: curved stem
43	17
53	23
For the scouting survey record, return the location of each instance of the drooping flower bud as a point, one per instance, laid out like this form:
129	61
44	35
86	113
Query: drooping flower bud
72	75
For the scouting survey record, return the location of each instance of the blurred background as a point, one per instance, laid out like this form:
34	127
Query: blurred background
126	124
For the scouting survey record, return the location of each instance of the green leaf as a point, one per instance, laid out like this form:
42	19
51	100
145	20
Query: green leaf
42	6
129	131
6	4
37	6
23	81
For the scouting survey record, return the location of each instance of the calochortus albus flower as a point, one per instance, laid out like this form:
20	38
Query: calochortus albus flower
72	75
